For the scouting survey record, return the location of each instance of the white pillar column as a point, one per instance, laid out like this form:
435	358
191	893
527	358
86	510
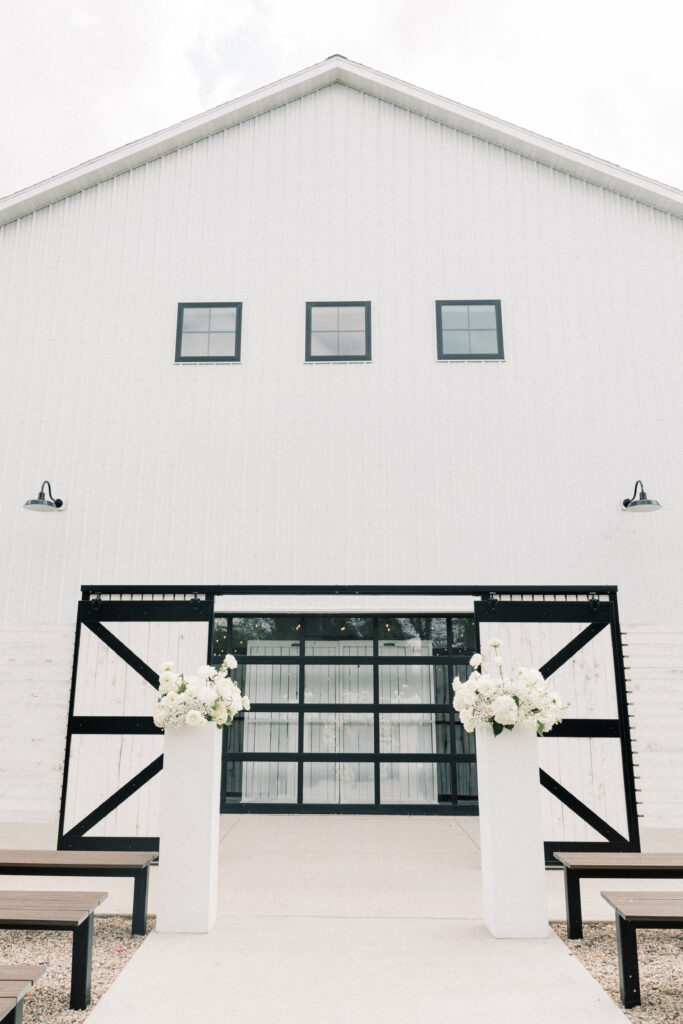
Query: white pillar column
187	899
512	859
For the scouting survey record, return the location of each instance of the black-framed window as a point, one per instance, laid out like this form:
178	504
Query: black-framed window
347	710
469	329
337	331
208	332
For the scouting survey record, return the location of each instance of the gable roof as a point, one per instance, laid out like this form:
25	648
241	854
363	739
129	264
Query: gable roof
338	69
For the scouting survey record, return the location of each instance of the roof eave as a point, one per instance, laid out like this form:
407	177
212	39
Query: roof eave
337	69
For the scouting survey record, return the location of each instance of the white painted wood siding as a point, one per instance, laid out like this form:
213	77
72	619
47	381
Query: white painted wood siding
400	470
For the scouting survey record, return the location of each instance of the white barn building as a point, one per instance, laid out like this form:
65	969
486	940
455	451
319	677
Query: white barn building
393	356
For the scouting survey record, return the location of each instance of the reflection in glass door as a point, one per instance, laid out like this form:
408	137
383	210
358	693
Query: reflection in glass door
350	712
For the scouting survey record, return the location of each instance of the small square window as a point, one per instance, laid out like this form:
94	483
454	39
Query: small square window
337	331
208	332
469	329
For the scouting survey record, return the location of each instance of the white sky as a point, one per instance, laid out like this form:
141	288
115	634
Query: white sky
81	77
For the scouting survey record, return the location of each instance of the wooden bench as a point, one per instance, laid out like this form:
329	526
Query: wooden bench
58	911
102	863
14	984
640	910
578	865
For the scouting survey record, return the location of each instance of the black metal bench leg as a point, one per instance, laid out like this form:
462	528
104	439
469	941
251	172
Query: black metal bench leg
572	895
627	947
139	925
81	964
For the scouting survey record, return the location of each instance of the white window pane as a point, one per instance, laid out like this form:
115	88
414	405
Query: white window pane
324	343
334	783
482	318
195	345
221	344
195	319
484	342
352	343
269	782
456	343
352	318
454	318
223	319
324	318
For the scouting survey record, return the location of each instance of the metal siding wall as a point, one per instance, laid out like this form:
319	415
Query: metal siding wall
399	471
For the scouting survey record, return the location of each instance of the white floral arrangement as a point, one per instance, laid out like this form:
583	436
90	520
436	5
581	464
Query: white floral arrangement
504	701
210	695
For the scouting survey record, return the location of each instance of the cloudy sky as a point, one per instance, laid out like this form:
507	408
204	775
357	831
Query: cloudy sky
81	77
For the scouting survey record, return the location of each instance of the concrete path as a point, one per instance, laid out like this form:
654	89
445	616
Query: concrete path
361	919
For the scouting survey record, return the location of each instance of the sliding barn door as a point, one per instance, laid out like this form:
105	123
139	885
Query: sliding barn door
110	796
586	767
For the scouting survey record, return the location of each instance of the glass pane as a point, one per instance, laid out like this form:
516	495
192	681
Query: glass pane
268	684
338	684
221	344
223	318
414	635
344	628
408	734
406	684
219	640
455	343
195	319
454	318
195	345
408	784
443	690
484	342
352	343
464	741
482	318
339	783
324	343
328	733
266	732
466	776
462	632
268	782
324	318
253	634
352	318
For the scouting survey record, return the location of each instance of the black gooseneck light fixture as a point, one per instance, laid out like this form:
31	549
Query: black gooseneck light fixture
642	503
41	503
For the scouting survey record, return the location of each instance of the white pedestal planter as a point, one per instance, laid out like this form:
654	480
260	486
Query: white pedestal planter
512	860
188	853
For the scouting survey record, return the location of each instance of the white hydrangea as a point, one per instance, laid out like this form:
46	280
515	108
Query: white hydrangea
210	695
503	701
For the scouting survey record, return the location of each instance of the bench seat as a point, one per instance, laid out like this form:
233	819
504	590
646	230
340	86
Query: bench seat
581	864
58	911
635	910
15	982
84	863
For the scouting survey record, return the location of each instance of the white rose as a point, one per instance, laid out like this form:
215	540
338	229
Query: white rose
165	667
207	695
504	710
235	704
168	681
172	698
486	688
194	685
476	660
495	643
194	718
206	672
467	720
161	716
220	714
230	661
246	703
459	702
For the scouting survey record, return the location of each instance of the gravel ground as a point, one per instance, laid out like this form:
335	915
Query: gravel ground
48	1001
660	961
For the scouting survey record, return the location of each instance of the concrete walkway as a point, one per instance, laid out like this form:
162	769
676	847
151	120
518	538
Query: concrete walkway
361	919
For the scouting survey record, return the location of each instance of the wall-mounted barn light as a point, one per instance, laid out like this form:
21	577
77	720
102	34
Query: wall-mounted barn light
41	503
643	504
